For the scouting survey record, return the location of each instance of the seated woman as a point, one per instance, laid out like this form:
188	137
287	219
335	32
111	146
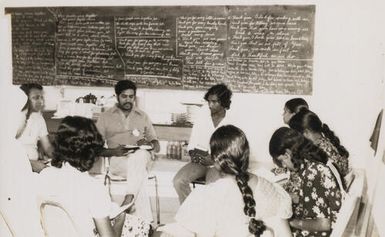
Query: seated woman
18	207
67	182
238	204
32	127
309	124
315	194
292	107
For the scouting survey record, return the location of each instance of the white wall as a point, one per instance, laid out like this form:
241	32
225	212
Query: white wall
348	75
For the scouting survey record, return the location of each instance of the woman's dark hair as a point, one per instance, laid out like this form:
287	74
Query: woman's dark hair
230	149
300	147
124	85
296	104
77	142
26	88
222	92
307	119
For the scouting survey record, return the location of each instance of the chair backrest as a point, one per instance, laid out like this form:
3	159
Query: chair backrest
5	229
56	221
337	176
349	209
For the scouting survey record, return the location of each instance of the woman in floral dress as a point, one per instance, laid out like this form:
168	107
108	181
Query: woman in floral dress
315	194
309	124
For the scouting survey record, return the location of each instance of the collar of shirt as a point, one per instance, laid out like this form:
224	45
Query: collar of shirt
66	167
116	109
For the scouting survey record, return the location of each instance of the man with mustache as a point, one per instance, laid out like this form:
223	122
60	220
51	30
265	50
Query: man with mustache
122	125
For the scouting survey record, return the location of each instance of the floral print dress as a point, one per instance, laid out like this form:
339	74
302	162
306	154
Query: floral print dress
341	162
315	194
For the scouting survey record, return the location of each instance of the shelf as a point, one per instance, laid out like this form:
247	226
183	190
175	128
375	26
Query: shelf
166	132
187	125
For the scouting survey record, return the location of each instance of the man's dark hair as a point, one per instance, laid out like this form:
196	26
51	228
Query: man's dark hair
222	92
124	85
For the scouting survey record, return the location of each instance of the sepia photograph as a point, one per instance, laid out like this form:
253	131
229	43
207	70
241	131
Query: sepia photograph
192	118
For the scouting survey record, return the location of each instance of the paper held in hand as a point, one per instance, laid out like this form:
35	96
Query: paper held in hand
142	147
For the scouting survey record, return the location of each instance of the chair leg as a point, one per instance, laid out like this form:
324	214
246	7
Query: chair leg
157	203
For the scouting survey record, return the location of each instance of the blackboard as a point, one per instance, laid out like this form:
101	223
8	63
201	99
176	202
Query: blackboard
262	49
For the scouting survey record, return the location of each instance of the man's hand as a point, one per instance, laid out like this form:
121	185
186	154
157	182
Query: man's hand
122	150
143	141
204	160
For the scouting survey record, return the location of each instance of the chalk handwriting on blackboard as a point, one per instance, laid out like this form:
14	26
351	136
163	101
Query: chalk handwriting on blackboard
33	47
85	47
263	49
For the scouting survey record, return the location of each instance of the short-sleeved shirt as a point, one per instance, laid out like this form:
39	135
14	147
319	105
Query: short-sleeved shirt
318	194
203	128
217	208
118	129
35	129
80	194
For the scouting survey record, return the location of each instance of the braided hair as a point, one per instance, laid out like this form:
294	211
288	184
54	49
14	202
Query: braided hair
230	149
306	119
334	140
301	148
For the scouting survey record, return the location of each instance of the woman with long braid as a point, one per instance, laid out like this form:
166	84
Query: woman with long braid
238	204
309	124
316	196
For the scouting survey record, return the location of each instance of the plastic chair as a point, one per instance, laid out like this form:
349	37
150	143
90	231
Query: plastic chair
337	176
5	229
157	202
109	179
56	221
201	181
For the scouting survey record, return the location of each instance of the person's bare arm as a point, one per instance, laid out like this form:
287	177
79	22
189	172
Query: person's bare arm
47	146
21	129
105	229
119	222
279	226
317	224
23	124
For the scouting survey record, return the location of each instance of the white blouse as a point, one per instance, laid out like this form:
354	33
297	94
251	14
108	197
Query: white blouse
81	195
35	129
204	127
216	209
